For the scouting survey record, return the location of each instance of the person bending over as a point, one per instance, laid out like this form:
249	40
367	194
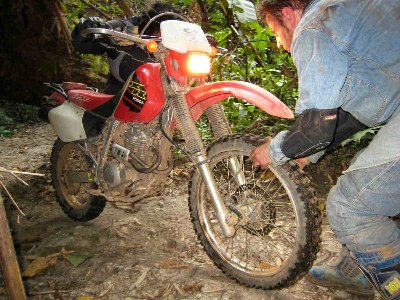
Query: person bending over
348	62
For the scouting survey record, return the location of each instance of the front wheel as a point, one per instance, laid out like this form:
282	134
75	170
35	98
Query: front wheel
278	233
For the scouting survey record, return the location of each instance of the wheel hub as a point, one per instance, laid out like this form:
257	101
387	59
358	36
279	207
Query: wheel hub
255	212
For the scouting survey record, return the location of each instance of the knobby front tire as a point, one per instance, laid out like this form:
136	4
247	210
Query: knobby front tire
278	234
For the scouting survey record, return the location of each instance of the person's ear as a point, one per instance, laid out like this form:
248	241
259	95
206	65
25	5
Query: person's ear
288	16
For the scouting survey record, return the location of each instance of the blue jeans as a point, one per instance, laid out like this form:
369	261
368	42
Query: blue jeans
360	205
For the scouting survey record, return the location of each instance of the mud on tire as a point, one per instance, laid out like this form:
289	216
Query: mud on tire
282	227
74	201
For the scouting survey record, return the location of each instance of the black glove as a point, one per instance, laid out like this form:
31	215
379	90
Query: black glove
91	22
87	45
95	22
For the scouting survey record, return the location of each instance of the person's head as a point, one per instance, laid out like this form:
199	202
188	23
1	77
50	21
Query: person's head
282	17
157	8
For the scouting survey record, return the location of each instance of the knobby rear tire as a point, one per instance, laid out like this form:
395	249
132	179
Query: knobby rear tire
308	220
91	207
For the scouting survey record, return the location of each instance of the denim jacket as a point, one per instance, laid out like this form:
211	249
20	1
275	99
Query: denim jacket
347	54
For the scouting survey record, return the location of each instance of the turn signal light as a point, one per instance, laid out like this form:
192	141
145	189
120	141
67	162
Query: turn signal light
214	52
152	46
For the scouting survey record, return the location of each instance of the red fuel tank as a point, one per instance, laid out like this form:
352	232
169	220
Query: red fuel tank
143	98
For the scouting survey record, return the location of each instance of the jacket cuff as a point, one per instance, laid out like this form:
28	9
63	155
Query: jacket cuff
316	156
275	152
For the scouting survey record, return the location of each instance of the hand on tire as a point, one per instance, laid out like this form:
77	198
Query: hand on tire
302	162
260	155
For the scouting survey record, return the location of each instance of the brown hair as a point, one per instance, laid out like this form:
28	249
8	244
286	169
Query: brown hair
274	7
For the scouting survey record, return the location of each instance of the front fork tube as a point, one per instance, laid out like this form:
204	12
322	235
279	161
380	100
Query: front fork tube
220	126
195	147
235	167
226	219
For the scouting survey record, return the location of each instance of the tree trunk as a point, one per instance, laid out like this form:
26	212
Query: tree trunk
32	50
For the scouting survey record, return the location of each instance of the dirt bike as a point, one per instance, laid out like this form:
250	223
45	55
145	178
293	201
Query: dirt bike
260	227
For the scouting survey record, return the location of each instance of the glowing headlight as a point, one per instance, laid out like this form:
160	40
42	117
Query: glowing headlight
199	64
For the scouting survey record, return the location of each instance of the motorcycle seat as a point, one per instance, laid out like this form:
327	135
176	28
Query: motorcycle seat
87	99
67	86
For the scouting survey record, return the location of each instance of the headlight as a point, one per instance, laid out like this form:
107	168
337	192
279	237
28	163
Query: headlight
198	64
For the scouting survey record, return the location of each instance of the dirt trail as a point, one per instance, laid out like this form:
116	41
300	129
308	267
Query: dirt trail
148	253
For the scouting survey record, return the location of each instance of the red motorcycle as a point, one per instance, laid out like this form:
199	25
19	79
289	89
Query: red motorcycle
260	227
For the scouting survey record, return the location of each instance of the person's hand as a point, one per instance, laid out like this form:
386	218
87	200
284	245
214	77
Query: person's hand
260	155
302	162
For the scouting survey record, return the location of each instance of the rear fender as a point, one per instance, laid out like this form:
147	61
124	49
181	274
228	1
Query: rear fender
201	97
58	98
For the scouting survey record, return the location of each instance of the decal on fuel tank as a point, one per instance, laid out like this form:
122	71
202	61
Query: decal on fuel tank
135	96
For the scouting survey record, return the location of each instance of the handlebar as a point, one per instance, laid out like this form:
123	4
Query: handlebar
117	34
135	39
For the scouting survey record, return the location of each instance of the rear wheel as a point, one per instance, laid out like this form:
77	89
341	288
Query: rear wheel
67	161
278	234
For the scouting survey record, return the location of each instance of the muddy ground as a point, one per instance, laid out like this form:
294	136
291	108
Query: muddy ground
150	252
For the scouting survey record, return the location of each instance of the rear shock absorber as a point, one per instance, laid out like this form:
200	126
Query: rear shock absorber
219	123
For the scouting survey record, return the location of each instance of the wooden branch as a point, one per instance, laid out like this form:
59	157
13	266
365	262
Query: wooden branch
242	37
125	7
13	173
204	17
9	264
97	9
19	172
12	199
258	57
8	259
63	25
25	183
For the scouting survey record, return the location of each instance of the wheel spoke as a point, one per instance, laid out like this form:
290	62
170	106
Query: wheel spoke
282	231
267	242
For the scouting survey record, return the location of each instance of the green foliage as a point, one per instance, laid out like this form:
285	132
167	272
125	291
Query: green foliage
78	9
98	65
253	57
13	115
205	130
362	136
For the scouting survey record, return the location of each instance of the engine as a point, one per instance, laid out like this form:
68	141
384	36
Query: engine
139	160
140	139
